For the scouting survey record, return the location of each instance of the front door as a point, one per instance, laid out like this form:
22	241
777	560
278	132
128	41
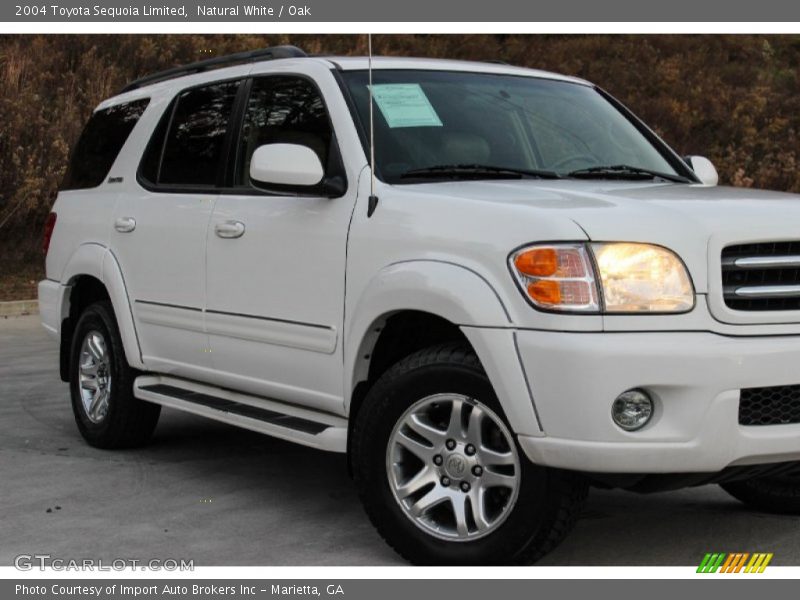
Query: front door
276	259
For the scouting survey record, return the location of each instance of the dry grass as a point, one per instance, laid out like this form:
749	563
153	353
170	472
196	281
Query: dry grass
20	285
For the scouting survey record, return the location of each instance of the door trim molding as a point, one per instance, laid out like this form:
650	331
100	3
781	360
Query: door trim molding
261	318
313	337
170	315
267	330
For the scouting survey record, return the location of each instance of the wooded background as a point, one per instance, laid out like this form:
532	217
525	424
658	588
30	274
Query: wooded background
731	98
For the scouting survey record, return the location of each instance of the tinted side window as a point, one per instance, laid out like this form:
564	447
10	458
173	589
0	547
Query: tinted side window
283	110
196	137
151	162
100	143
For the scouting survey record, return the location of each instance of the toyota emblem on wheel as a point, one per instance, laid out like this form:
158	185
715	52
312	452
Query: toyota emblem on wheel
456	465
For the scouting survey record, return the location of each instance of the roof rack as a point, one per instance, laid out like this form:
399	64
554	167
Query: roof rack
272	53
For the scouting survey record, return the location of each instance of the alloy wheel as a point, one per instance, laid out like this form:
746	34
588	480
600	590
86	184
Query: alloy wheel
453	467
94	376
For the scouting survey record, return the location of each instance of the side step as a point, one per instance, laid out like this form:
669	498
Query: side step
284	421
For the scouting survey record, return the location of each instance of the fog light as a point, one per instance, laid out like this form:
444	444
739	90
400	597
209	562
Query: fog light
632	410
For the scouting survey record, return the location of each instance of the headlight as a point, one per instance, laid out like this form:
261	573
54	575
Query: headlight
642	278
633	278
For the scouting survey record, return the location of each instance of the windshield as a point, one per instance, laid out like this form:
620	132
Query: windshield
446	124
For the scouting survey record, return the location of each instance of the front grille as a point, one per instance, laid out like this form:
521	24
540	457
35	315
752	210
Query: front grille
763	276
770	405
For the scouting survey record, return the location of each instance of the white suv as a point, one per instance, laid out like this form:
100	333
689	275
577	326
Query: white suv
532	295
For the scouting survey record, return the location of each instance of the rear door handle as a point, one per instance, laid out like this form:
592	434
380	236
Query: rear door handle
125	224
229	229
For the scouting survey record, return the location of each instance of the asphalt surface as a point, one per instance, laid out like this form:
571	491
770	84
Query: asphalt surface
224	496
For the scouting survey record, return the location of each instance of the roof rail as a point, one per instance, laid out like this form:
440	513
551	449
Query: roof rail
271	53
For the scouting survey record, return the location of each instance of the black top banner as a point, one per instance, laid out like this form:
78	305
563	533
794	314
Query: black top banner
406	11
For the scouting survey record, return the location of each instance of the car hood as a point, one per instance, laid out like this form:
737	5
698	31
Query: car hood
695	221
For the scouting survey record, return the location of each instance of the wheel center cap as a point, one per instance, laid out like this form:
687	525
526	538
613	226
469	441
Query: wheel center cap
456	466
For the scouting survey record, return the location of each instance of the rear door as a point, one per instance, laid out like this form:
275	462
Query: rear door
159	234
275	291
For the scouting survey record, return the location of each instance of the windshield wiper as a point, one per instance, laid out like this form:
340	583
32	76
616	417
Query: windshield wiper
624	172
477	171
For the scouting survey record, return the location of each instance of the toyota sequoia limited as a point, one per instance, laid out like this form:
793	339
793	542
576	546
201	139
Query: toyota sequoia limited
529	295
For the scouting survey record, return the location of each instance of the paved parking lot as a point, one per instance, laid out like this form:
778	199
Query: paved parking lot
224	496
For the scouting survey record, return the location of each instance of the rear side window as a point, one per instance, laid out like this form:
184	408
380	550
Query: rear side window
187	149
100	143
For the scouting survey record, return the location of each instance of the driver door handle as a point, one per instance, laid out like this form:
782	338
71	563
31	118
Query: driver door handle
125	224
229	229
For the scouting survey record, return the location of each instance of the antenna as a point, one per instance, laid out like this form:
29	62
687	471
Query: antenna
373	199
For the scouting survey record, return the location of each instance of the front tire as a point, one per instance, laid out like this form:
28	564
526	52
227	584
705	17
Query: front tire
101	384
442	477
775	494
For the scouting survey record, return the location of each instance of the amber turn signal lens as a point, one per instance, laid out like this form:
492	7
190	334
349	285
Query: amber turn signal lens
545	291
556	276
537	262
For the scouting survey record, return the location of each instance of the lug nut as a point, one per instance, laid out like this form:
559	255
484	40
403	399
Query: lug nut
437	460
464	486
445	481
470	449
477	470
450	444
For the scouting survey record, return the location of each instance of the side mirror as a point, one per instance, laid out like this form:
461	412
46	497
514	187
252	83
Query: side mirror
286	164
704	169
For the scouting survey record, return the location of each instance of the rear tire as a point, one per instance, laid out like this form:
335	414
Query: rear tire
530	516
776	494
101	384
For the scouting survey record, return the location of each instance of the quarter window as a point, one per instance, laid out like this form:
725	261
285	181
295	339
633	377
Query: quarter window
100	144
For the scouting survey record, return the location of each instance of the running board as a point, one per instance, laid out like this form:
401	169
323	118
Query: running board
284	421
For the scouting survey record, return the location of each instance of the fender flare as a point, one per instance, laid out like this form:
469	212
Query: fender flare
86	260
447	290
96	260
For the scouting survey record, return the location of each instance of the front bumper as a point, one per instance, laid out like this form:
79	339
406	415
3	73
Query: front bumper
695	379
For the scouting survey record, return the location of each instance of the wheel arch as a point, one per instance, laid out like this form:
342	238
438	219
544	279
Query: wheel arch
434	302
440	292
93	274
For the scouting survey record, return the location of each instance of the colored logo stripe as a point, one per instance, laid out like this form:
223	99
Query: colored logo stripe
711	563
758	563
735	562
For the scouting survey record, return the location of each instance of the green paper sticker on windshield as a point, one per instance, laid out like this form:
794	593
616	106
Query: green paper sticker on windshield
405	105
